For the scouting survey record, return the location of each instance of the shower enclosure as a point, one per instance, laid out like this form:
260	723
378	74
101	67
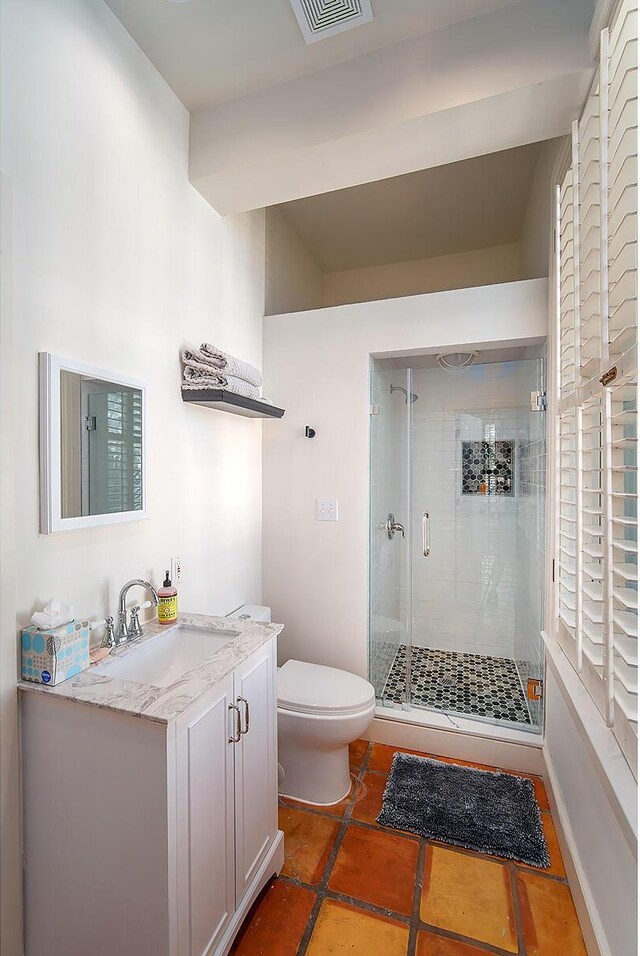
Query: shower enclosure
458	462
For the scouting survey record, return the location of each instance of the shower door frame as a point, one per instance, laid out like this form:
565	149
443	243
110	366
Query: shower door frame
377	515
478	724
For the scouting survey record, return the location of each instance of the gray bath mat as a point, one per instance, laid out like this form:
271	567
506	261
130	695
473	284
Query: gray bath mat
482	810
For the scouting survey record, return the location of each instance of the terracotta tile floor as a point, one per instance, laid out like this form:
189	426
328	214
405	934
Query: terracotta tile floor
350	886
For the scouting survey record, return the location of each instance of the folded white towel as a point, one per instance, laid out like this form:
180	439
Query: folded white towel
198	357
195	379
231	365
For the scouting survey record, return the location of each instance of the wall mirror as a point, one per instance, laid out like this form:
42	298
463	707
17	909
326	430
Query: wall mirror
93	464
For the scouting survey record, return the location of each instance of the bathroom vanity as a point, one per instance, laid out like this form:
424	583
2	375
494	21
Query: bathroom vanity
150	794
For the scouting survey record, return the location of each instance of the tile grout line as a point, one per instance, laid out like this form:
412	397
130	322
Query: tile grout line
479	944
414	923
408	921
322	888
417	900
464	851
513	883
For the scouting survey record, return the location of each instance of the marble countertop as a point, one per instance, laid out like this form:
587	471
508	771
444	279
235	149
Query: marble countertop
163	704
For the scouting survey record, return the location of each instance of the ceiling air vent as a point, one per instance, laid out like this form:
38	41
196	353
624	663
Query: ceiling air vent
319	19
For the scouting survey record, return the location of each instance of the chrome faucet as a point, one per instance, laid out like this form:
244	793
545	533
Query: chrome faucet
126	631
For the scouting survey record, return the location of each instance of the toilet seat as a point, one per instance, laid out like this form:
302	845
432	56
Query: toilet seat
315	689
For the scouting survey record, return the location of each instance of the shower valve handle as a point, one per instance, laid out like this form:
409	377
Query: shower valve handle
391	526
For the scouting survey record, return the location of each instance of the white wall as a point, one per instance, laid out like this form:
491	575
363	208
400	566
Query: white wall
601	831
317	366
10	843
118	261
435	274
293	279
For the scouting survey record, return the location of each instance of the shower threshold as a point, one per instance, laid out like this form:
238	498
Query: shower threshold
458	685
529	735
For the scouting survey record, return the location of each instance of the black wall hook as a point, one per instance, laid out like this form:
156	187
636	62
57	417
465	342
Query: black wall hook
309	432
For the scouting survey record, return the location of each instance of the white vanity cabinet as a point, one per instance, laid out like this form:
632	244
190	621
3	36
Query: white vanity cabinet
226	800
145	838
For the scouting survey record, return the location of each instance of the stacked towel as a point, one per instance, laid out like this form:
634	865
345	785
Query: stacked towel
231	365
209	367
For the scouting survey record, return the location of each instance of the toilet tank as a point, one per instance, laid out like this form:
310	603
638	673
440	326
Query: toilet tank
252	612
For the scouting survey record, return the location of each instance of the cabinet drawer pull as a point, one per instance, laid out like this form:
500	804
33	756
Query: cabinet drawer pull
234	740
244	701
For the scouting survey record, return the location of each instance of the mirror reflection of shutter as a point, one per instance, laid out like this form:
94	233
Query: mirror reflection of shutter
124	451
622	342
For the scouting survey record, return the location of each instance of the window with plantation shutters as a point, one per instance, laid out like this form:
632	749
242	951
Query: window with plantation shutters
596	256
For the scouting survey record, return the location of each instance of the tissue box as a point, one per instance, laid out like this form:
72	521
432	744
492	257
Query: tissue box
49	657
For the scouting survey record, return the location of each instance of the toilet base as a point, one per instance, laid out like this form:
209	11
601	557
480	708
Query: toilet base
320	777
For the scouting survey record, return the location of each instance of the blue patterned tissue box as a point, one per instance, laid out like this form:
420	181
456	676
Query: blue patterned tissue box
49	657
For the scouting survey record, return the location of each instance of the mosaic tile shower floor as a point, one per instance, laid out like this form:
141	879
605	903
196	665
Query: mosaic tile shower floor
474	684
350	886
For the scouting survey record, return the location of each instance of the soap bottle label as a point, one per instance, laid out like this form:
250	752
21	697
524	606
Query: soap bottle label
167	609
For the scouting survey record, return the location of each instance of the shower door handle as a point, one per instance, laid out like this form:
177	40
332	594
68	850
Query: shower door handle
426	535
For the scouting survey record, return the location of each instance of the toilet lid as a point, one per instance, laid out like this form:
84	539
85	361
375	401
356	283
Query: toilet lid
313	688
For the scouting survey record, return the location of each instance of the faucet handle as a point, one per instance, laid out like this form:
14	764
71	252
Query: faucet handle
135	628
109	639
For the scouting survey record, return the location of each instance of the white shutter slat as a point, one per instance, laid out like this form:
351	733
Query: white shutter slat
626	596
628	572
625	24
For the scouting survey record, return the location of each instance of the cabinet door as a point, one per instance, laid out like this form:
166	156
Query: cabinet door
205	818
256	768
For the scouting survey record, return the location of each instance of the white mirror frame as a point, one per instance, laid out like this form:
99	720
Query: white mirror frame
51	520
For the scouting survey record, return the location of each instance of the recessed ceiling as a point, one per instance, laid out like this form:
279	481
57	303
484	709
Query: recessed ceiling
211	51
458	207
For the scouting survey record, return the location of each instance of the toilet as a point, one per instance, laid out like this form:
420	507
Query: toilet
321	710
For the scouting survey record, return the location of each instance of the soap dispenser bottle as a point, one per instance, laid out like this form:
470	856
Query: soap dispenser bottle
167	602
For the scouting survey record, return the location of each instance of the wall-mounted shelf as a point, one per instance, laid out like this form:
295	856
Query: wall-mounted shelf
227	401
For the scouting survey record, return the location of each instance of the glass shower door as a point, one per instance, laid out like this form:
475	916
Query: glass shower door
390	535
477	488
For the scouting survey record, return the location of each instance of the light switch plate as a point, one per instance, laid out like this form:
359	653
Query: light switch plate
176	569
326	509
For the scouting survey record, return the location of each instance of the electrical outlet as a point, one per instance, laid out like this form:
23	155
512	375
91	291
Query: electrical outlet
176	569
326	509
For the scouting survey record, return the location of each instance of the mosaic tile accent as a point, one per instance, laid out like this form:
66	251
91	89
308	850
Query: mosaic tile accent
487	467
474	684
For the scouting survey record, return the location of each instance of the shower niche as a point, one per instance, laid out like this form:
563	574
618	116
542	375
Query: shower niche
487	467
456	606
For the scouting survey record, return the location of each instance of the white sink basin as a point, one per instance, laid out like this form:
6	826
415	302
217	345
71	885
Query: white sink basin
163	659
